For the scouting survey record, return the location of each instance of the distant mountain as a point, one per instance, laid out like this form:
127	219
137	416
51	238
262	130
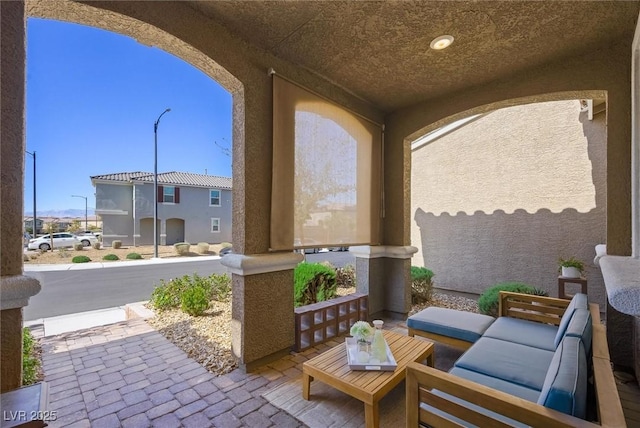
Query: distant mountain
62	213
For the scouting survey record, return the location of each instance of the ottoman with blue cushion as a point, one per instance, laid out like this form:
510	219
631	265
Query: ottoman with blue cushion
450	326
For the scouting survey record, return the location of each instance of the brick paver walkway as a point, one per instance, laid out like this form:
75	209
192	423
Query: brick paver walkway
128	375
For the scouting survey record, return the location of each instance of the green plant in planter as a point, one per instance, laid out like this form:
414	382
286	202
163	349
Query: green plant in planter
571	262
80	259
134	256
488	303
111	257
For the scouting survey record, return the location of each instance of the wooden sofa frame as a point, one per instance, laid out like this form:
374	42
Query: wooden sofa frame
421	379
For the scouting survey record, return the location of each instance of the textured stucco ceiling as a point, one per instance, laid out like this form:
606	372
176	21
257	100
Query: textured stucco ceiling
380	50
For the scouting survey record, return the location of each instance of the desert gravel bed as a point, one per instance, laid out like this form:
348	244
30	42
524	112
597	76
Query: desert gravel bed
207	339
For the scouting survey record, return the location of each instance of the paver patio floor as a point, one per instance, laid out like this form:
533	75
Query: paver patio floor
129	375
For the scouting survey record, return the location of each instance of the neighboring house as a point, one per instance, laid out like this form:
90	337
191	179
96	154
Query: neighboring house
506	194
28	224
191	207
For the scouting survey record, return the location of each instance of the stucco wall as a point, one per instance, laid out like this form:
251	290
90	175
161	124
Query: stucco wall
503	197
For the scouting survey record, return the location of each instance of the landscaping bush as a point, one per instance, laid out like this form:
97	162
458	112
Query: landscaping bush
30	362
111	257
63	253
313	282
488	303
116	244
170	294
80	259
225	244
182	248
96	245
346	276
421	284
78	246
194	300
203	247
134	256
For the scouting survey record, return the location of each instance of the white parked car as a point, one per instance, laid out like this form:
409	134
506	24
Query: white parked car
60	240
96	233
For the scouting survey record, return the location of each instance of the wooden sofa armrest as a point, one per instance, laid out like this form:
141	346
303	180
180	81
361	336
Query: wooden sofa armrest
548	310
421	379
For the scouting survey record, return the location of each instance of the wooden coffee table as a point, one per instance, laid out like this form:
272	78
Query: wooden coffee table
332	368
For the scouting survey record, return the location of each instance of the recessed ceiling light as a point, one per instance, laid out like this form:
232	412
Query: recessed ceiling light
441	42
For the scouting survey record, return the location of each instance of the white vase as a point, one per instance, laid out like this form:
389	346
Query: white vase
570	272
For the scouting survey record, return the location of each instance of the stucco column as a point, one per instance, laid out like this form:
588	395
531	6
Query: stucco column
262	317
15	289
384	273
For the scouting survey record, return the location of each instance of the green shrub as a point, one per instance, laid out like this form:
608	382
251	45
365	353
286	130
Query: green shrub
488	303
182	248
346	276
195	300
116	244
78	246
96	245
203	247
313	282
225	244
220	287
63	253
80	259
421	284
111	257
134	256
30	362
170	294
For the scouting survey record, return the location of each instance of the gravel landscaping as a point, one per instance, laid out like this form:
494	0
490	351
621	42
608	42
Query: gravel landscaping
207	339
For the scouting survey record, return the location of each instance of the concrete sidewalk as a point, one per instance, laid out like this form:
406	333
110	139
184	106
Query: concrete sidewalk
52	326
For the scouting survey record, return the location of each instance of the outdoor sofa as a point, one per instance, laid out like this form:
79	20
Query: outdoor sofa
544	362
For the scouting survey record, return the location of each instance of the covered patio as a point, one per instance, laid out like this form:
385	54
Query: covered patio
373	60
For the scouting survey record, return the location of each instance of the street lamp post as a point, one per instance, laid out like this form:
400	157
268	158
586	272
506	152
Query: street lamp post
34	224
155	184
86	218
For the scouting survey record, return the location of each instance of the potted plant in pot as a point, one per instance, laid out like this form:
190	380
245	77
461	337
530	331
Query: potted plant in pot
570	268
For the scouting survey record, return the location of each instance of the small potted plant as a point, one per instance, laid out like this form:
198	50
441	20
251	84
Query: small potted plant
362	331
570	268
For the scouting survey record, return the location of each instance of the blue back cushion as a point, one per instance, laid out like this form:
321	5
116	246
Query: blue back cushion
581	327
565	386
579	301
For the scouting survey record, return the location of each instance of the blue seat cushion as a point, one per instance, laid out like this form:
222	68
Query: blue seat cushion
512	362
461	325
524	332
579	301
565	386
499	384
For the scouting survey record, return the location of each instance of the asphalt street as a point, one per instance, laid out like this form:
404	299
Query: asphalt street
68	289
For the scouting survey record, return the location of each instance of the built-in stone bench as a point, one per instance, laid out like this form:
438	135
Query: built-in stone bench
622	280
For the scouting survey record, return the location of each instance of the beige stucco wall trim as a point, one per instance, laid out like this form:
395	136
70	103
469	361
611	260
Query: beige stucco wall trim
16	290
255	264
386	251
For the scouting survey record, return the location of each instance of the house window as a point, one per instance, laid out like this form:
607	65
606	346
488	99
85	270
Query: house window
214	198
215	225
168	194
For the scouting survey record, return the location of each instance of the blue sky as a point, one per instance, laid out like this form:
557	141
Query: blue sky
92	99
